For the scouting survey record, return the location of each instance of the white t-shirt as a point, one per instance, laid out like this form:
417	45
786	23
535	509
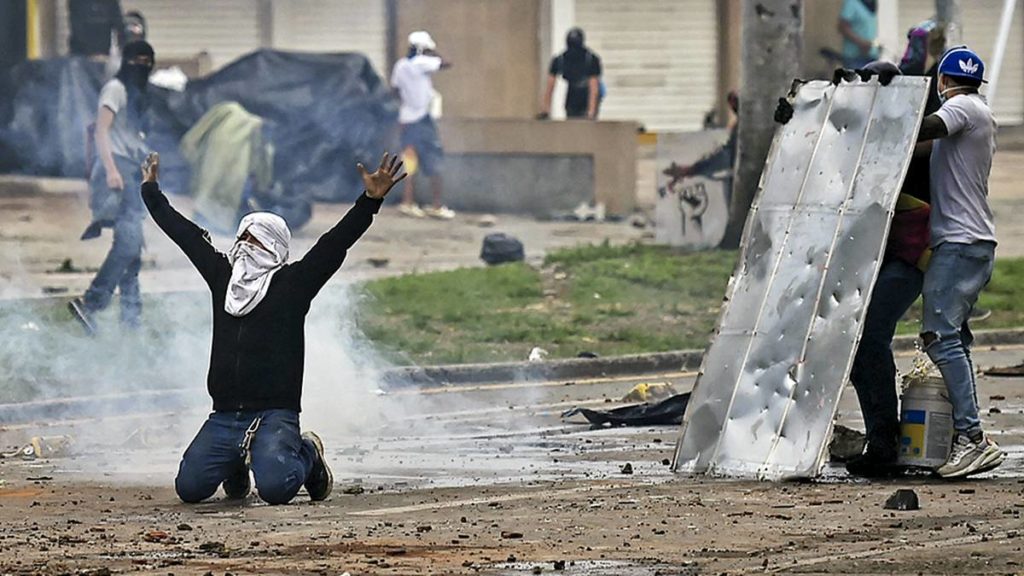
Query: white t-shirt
412	78
960	166
126	140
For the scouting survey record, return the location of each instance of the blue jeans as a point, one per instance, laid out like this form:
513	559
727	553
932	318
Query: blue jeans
956	275
280	459
120	269
874	371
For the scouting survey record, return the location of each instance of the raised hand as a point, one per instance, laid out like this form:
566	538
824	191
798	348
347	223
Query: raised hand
151	167
379	183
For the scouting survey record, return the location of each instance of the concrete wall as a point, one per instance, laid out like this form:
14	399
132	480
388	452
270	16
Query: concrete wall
535	167
493	45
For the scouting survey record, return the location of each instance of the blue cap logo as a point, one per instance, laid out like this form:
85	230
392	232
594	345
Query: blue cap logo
962	62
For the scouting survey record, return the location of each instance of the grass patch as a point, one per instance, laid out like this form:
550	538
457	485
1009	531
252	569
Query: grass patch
602	299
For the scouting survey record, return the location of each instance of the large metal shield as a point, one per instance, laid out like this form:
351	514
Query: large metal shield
770	382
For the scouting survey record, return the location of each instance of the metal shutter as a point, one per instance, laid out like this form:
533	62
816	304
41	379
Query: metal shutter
226	29
333	26
981	24
660	59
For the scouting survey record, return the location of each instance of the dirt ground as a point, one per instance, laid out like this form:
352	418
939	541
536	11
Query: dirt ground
490	480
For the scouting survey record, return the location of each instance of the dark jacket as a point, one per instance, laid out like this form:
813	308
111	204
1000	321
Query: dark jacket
256	360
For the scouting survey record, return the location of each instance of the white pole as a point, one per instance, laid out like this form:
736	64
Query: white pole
1000	49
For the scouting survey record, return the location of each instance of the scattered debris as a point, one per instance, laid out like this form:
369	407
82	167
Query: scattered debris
586	354
648	391
558	564
184	527
586	212
1015	370
627	468
155	536
500	248
508	535
424	528
54	290
994	410
354	489
45	447
214	548
639	221
67	266
668	412
39	478
487	221
846	443
537	354
903	499
378	262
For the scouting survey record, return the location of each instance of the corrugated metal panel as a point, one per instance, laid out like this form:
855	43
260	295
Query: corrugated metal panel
981	24
660	59
770	382
333	26
226	29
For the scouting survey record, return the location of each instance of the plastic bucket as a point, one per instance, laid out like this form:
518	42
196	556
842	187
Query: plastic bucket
926	423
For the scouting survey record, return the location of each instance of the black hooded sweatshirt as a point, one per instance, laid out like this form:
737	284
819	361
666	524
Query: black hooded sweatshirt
256	360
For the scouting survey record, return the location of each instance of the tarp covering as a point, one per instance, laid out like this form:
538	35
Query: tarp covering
324	113
770	382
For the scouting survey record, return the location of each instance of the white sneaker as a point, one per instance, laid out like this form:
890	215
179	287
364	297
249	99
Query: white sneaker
411	210
968	457
442	213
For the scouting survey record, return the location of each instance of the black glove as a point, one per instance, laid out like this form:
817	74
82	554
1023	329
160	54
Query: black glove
843	75
885	77
784	111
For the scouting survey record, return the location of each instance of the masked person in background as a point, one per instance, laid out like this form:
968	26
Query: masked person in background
581	69
120	145
260	302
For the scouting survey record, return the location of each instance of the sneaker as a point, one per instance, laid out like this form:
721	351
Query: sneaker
969	457
82	314
411	210
320	481
994	463
442	213
238	485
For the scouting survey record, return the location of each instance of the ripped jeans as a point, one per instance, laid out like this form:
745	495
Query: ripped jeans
956	275
268	440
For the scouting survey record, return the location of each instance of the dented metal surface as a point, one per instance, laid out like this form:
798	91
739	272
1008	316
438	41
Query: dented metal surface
770	382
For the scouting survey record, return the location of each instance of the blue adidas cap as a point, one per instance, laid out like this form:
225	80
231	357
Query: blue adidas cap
962	62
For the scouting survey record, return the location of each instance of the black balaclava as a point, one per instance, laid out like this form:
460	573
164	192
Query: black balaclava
135	78
871	4
136	75
574	41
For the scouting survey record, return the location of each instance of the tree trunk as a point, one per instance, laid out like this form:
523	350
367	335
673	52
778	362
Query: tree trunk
948	14
772	44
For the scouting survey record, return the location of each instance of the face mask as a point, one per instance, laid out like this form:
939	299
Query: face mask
136	74
942	94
